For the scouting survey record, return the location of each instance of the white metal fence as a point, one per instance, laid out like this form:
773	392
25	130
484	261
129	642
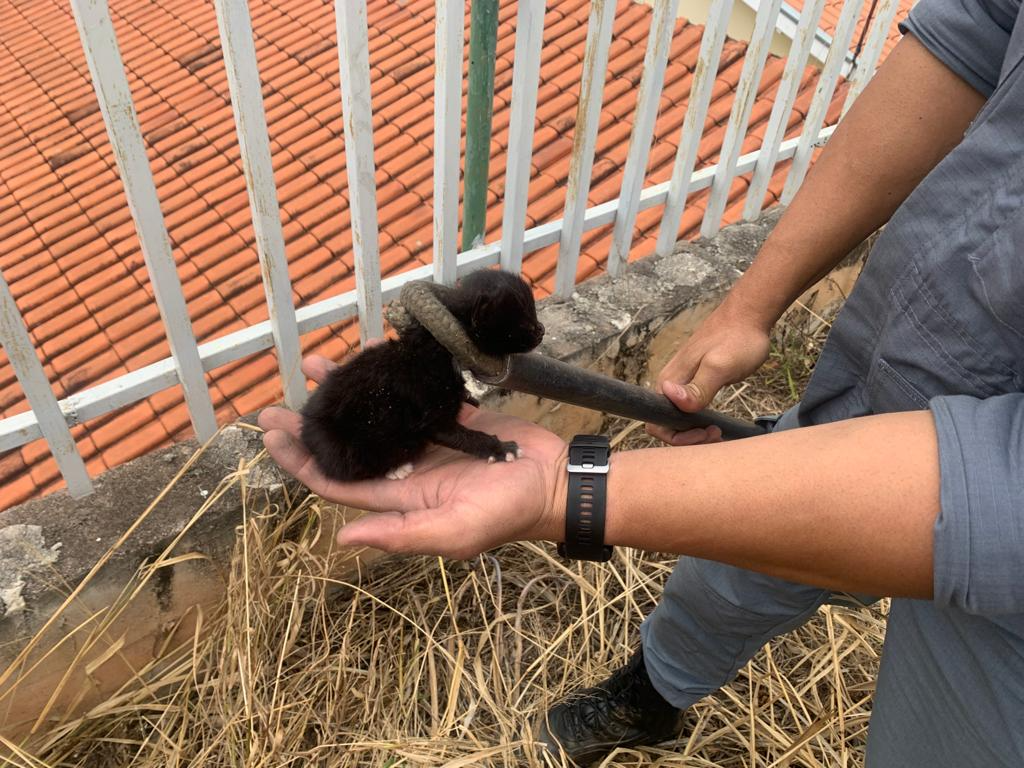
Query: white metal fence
51	419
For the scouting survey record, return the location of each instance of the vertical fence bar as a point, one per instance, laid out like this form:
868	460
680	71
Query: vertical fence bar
584	140
525	79
789	87
868	61
648	96
354	65
746	95
16	341
693	124
822	96
483	40
447	132
236	39
115	99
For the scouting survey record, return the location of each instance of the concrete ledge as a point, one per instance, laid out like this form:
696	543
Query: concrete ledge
60	656
167	504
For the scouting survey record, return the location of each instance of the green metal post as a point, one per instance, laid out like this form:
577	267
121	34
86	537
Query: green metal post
483	40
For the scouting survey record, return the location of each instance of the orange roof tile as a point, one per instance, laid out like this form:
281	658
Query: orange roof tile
70	253
830	18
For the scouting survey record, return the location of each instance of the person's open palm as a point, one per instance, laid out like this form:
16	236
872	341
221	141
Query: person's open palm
452	504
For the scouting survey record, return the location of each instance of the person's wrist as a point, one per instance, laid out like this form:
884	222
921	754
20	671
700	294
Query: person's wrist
767	288
748	306
552	527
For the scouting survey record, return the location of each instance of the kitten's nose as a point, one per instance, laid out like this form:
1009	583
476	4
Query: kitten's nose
540	329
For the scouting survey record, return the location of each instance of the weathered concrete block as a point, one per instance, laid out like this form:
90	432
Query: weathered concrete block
171	503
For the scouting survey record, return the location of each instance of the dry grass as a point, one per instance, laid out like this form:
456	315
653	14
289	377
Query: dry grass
434	663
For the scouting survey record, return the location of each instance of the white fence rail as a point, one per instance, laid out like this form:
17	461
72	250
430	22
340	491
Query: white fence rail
236	39
115	98
189	361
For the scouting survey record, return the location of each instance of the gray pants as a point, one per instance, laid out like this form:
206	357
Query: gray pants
713	618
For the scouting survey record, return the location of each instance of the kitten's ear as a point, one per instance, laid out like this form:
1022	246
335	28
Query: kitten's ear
482	308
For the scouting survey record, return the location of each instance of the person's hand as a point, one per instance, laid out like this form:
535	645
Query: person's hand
452	504
724	349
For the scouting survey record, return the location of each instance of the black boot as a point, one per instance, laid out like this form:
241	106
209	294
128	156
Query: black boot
624	710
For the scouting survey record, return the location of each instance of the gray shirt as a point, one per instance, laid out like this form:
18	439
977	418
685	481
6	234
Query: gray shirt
937	321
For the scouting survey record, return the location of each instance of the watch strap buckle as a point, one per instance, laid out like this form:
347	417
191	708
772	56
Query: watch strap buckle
589	458
589	454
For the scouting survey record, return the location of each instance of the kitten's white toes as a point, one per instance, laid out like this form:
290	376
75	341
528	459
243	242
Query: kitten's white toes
491	459
400	473
519	453
510	456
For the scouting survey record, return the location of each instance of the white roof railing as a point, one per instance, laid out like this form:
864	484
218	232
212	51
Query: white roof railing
189	361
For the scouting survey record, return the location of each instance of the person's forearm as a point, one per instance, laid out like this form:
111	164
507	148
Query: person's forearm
912	113
848	506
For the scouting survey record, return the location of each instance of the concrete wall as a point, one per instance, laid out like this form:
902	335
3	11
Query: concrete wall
94	590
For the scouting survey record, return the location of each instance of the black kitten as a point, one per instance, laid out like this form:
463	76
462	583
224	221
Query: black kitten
378	412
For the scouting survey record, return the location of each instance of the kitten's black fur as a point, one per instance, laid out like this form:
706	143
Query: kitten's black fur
380	410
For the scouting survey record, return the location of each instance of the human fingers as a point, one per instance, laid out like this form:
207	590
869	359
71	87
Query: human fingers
492	422
420	532
697	393
291	455
467	413
495	422
692	396
280	418
317	367
685	437
681	367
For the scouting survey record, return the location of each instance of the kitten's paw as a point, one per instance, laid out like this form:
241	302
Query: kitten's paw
400	473
511	451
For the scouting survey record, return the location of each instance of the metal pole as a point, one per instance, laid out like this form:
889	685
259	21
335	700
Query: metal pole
543	376
483	41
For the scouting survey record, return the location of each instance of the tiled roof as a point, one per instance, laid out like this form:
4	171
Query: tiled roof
70	253
869	10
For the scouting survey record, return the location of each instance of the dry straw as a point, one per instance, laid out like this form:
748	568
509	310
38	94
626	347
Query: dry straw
430	663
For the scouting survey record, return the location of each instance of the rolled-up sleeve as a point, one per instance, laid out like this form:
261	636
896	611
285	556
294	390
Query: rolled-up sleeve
968	36
979	533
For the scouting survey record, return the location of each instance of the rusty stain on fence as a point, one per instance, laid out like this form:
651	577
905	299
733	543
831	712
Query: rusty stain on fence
242	69
693	124
29	372
588	111
746	92
784	97
655	59
354	69
110	82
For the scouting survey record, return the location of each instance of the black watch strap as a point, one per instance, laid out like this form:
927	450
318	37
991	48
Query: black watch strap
586	500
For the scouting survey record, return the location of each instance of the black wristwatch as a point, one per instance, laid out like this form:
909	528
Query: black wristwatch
586	500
